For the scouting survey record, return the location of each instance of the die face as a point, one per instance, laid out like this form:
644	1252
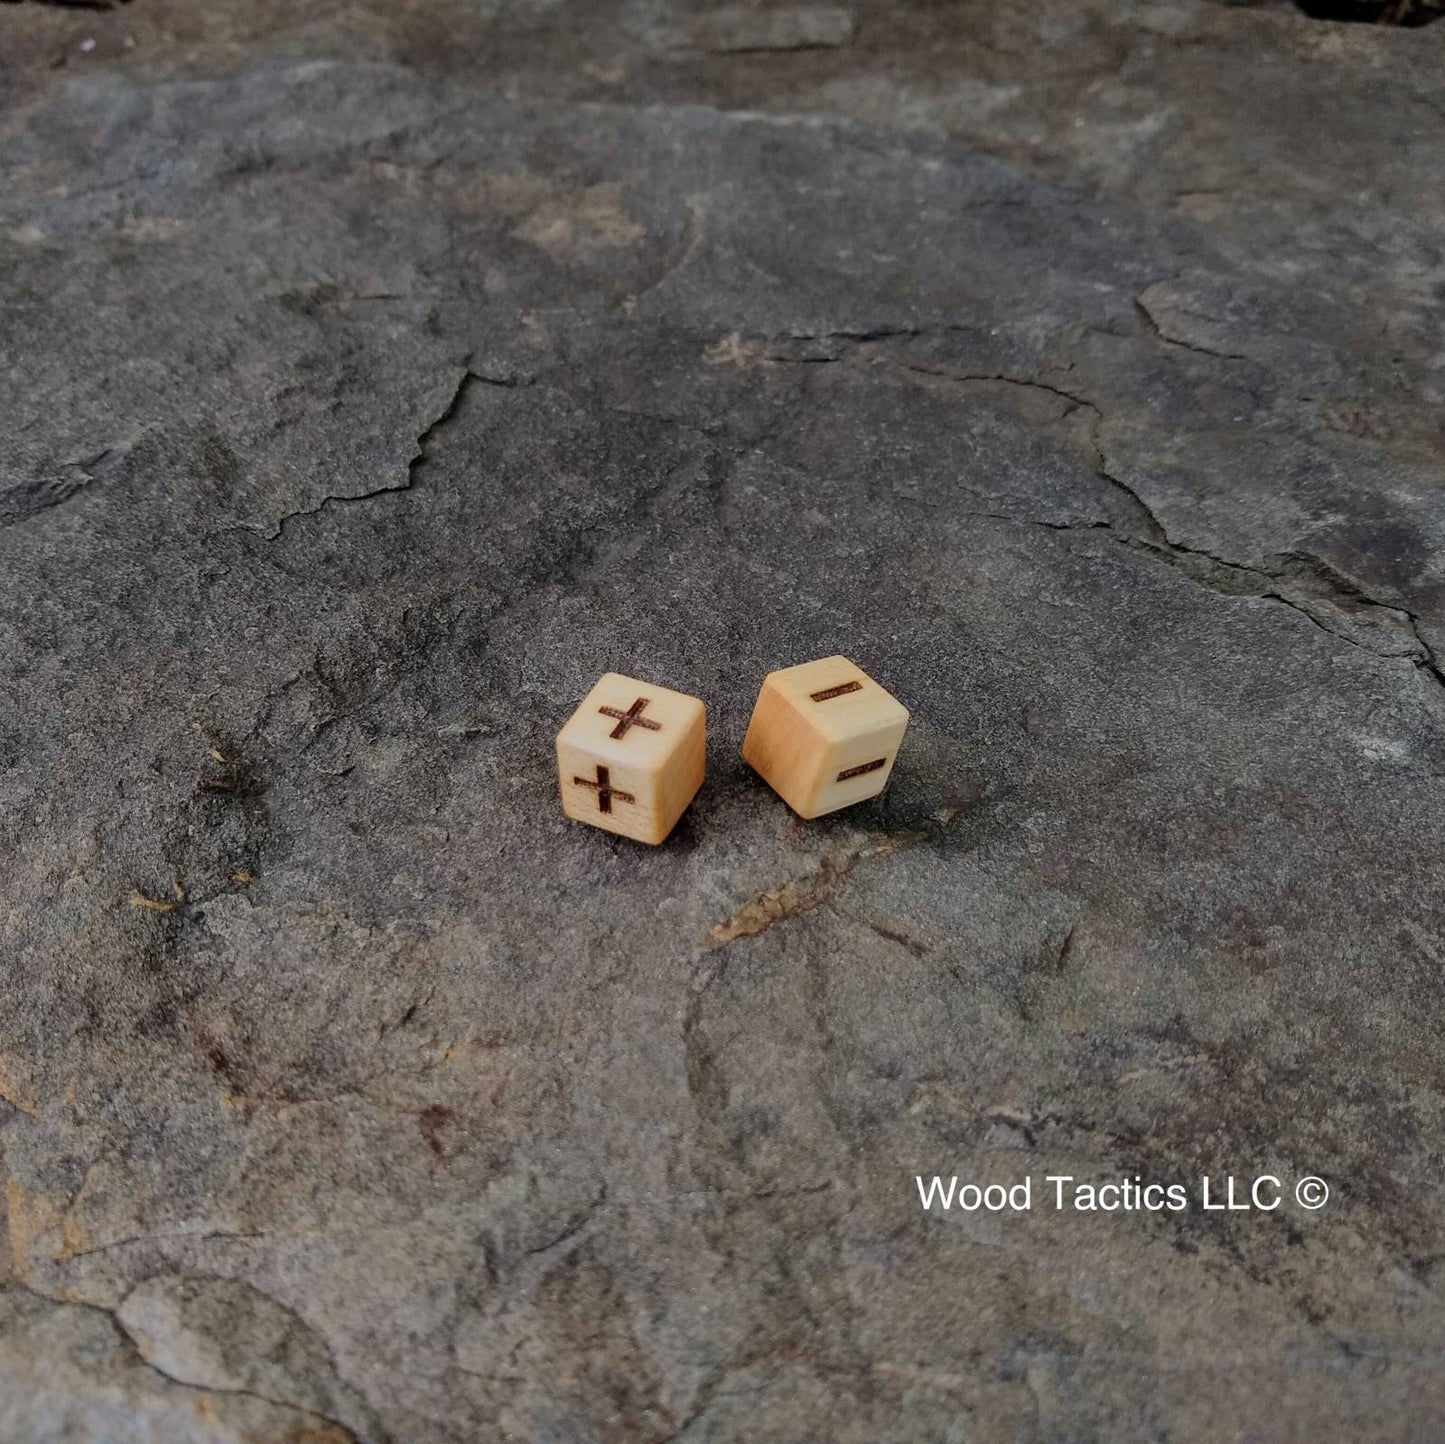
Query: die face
631	757
824	735
783	749
854	769
837	699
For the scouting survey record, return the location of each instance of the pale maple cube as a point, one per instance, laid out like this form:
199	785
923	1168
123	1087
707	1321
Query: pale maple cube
824	735
631	757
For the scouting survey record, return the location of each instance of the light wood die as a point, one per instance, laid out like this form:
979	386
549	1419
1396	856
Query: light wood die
824	735
631	757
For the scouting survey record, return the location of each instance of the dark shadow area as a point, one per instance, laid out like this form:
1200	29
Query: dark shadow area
1375	12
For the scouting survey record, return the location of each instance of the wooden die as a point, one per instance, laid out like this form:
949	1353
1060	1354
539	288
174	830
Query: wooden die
630	758
824	735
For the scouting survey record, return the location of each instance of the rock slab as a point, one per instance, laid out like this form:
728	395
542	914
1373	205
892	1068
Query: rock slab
356	419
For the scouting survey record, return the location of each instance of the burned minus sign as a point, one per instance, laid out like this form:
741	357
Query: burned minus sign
859	771
840	691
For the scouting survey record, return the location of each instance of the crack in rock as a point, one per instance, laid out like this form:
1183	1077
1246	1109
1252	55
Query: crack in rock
315	1428
225	1334
1156	328
895	935
1303	582
180	1235
861	342
801	895
574	1225
743	30
425	445
59	484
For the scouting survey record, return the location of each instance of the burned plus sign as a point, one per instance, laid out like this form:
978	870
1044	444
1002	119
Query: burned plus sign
631	718
662	772
605	790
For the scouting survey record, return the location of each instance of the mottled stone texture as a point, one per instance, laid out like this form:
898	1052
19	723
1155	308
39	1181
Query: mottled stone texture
372	378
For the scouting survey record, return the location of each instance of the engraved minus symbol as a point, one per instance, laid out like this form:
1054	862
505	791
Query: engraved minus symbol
631	718
873	766
605	790
839	691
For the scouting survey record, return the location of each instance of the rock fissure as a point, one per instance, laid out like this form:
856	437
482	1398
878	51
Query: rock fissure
425	443
811	890
137	1352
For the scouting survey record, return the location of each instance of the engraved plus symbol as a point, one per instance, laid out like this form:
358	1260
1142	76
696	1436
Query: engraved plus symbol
605	790
631	718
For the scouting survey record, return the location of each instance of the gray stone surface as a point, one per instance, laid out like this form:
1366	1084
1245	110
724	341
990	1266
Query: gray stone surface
372	379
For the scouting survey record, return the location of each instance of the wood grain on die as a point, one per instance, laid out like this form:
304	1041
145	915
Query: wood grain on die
631	757
824	735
